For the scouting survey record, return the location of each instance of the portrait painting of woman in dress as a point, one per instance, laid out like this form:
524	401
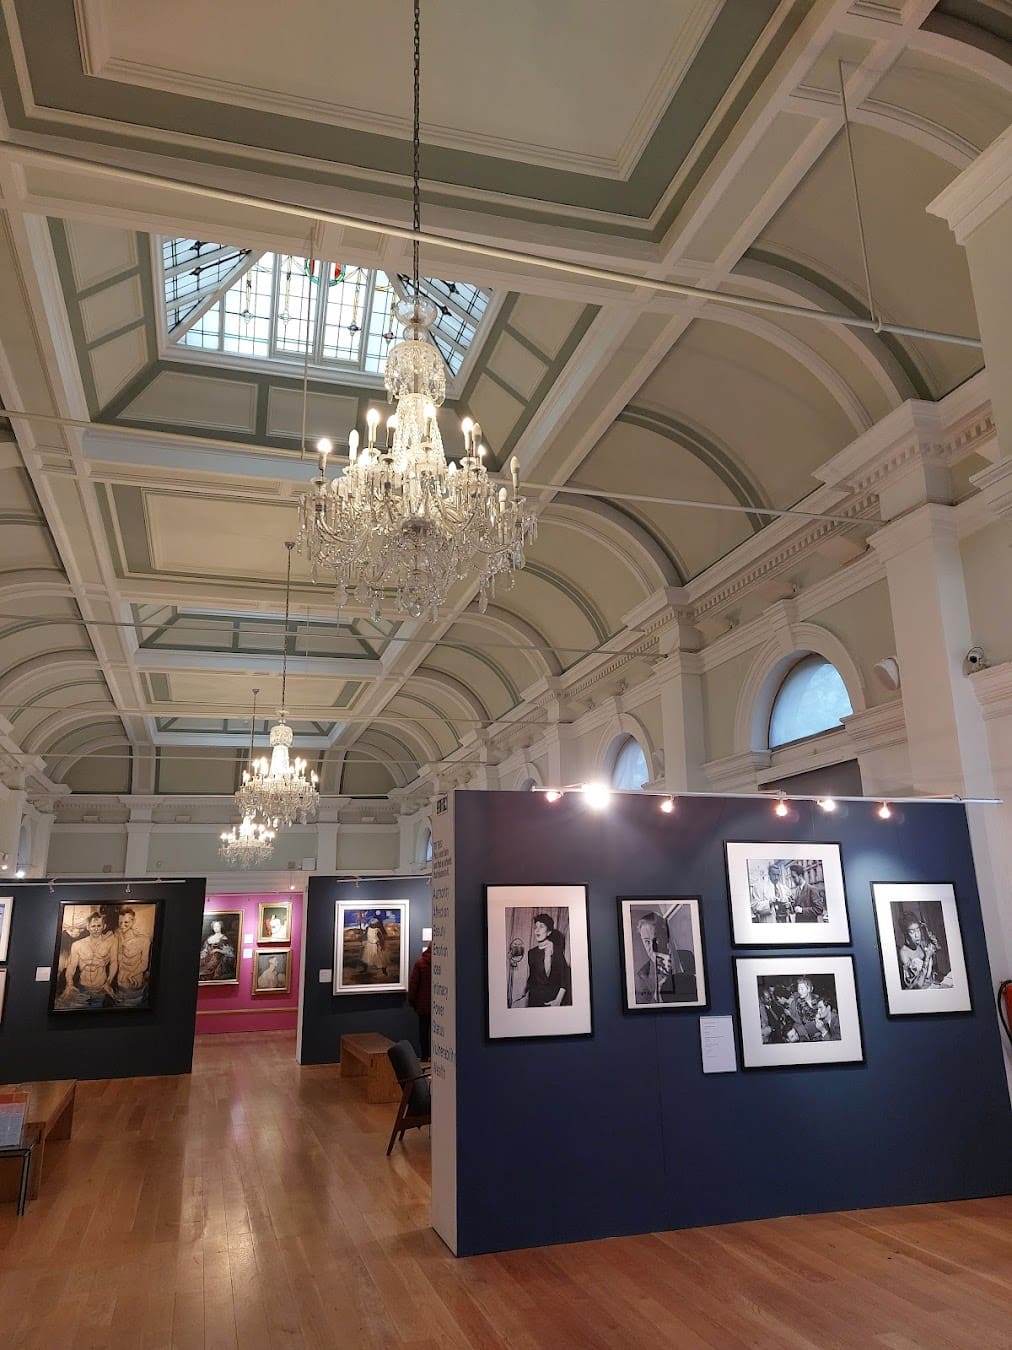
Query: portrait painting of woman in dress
371	947
538	961
275	922
272	971
219	947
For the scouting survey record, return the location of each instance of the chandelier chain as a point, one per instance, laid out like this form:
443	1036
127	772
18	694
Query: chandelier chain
289	545
253	726
416	147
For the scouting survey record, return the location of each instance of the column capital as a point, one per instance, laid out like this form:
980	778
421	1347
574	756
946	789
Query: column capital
983	188
930	523
995	485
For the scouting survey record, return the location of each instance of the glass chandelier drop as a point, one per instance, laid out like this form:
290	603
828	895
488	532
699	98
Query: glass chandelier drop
401	522
250	842
278	790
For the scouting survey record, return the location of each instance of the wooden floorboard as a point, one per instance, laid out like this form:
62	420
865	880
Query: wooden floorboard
251	1207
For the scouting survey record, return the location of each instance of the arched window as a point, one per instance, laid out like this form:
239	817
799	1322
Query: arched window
427	853
630	771
812	698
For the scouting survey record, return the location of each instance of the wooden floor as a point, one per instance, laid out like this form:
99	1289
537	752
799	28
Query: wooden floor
251	1206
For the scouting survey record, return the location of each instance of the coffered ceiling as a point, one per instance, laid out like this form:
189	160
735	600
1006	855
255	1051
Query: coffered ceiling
153	488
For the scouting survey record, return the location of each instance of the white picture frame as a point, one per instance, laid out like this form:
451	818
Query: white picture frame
371	946
6	910
766	988
786	895
662	953
520	952
923	971
3	991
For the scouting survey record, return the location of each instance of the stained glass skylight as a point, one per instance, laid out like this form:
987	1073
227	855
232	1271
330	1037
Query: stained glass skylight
267	305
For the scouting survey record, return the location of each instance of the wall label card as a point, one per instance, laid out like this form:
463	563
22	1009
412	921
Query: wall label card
42	973
716	1043
326	976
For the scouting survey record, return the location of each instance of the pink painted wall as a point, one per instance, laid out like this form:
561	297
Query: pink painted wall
253	1013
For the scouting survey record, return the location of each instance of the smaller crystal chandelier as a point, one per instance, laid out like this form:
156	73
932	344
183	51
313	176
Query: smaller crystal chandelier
279	790
401	521
247	844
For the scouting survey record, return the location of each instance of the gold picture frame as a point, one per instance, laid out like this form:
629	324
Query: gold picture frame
272	970
274	922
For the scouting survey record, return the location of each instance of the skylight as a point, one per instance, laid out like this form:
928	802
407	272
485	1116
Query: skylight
264	306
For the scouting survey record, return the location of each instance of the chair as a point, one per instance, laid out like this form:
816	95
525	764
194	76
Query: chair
415	1109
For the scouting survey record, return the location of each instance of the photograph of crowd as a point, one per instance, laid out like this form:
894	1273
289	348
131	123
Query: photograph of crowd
799	1010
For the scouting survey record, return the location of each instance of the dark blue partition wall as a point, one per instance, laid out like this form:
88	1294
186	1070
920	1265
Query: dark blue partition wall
327	1017
560	1140
36	1044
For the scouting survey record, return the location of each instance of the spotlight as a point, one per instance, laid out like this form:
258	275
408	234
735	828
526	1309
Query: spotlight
597	795
781	807
668	805
4	862
827	804
128	888
20	873
552	795
884	812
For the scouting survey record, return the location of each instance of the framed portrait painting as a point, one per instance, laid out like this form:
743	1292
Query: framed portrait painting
6	910
538	961
796	1010
921	946
104	957
219	947
786	895
274	921
272	970
371	947
662	951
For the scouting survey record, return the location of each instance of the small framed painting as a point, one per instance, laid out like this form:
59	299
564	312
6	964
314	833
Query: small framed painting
921	946
6	910
272	971
274	922
795	1010
787	895
105	957
371	947
662	948
219	947
538	961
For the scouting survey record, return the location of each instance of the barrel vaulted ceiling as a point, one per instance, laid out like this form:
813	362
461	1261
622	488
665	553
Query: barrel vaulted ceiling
147	506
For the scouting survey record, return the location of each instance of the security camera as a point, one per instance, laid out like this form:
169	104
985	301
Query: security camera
974	660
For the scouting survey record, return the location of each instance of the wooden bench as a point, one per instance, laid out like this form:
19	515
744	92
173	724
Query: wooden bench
51	1108
365	1055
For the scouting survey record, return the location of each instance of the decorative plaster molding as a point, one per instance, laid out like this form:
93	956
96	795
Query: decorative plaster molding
930	523
993	688
995	485
979	191
877	728
737	772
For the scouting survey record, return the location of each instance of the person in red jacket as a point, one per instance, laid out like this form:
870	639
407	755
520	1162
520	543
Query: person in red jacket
420	998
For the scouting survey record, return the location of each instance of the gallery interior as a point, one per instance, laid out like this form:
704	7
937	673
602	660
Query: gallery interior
506	673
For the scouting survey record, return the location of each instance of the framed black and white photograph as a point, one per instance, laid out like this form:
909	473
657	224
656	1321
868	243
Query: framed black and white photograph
787	895
538	954
797	1010
921	945
662	950
6	910
371	947
104	957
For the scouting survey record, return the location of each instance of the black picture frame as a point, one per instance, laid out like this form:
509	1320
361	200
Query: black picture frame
119	1001
903	1003
754	1054
629	1004
783	934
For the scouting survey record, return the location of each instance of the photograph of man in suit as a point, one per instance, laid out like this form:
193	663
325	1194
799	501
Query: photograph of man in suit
664	972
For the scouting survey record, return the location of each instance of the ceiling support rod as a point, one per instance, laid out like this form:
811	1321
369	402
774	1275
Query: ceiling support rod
31	155
872	313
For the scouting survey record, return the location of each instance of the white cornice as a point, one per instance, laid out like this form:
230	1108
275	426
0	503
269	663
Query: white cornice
876	728
993	688
983	188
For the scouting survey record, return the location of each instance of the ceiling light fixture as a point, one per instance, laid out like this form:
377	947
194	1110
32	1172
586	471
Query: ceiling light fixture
279	791
401	520
20	874
247	844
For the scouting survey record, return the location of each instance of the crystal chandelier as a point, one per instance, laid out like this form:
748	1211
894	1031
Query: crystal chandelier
401	521
279	790
247	844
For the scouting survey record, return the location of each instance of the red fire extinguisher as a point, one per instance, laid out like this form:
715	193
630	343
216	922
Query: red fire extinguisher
1005	1006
